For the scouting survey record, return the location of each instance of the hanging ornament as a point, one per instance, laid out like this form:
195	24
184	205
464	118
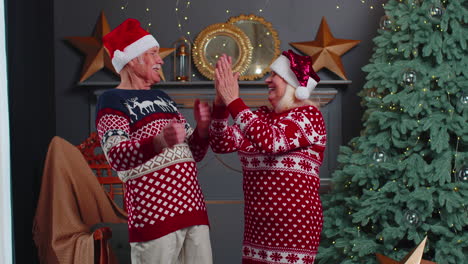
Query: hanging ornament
412	218
409	77
379	156
462	175
436	12
464	99
386	23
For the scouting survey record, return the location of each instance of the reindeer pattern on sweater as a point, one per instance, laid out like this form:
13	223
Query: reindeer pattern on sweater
162	190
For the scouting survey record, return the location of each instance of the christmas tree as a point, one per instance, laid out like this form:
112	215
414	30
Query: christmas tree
406	176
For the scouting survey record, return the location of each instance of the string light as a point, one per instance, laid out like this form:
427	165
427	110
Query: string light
179	12
124	7
186	18
148	16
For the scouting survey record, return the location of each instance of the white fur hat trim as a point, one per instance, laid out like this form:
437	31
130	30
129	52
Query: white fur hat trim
121	58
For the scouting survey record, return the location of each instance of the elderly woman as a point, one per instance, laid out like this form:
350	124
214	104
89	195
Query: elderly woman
281	149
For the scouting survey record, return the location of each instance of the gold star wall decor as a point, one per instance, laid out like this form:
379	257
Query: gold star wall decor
164	52
97	56
326	50
414	257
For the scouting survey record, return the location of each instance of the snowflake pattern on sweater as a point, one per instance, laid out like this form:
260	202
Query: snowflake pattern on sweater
162	190
280	155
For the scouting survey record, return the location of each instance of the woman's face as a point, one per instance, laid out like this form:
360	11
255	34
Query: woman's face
276	88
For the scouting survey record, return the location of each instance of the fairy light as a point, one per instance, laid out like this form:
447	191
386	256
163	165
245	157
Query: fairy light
456	152
186	17
123	8
182	18
148	17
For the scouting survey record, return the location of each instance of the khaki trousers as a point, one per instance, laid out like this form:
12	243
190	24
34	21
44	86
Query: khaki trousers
189	245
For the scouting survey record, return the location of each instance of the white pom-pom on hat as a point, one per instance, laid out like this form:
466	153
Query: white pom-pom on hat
302	93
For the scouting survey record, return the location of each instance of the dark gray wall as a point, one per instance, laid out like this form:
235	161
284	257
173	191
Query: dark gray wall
29	25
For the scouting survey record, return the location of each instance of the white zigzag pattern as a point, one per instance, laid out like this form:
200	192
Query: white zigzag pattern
169	156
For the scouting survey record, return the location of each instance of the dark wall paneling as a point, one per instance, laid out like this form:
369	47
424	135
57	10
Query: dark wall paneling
30	51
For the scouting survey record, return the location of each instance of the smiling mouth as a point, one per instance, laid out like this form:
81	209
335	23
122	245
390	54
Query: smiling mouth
157	67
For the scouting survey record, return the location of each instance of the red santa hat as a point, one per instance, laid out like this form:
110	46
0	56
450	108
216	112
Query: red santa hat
298	72
128	41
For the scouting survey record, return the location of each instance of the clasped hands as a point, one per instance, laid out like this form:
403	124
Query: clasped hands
174	132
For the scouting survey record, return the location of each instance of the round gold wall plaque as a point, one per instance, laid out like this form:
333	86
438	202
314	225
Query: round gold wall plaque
218	39
265	44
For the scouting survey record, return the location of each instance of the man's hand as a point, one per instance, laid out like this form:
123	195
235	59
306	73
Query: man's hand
172	134
226	82
202	114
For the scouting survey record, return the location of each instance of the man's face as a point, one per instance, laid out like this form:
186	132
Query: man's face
276	88
148	65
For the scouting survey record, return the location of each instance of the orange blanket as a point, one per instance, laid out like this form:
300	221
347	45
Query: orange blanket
70	203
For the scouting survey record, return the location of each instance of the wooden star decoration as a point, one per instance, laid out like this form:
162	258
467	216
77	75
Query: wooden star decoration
97	56
326	50
164	52
414	257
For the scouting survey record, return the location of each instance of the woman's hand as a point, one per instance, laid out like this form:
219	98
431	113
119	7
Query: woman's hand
226	82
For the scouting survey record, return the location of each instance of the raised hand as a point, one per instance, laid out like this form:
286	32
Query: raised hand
202	114
226	82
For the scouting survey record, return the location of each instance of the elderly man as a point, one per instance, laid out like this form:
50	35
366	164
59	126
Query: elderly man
154	150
